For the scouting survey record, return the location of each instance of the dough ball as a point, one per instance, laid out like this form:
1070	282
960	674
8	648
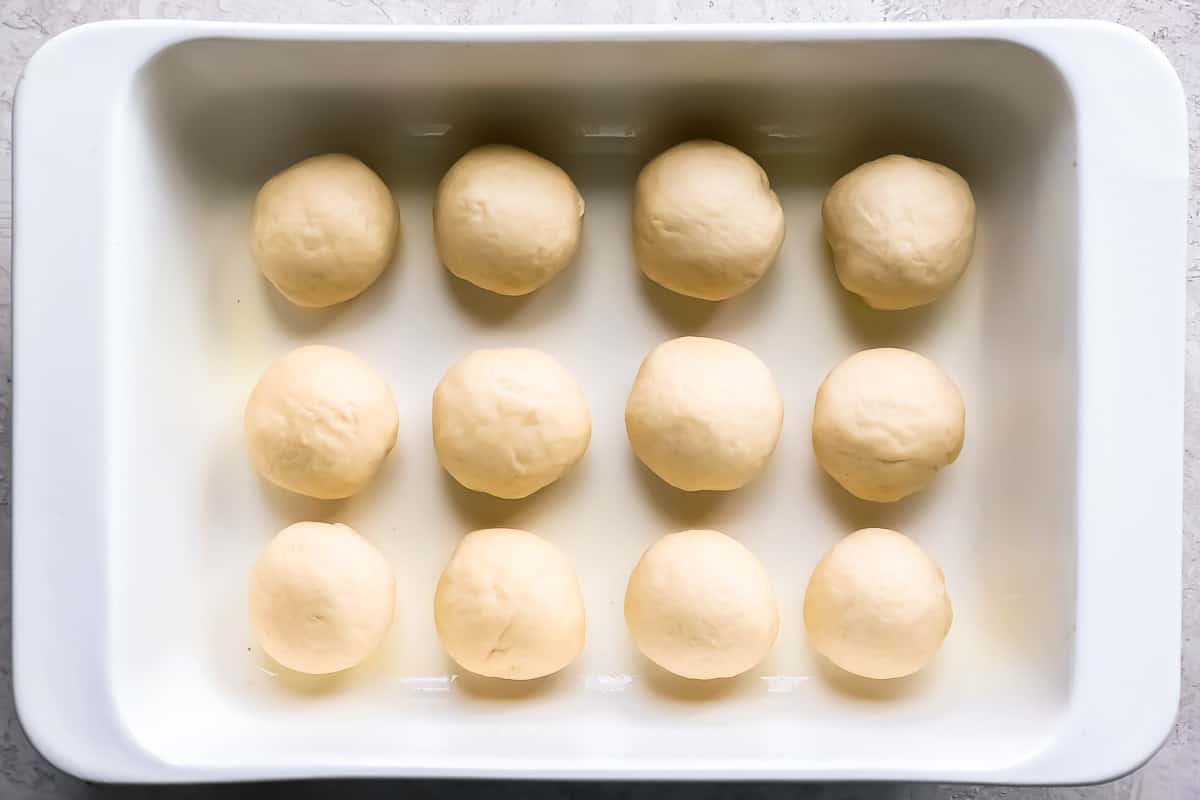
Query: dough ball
876	605
700	605
704	414
324	230
508	605
321	598
509	421
901	230
506	220
320	422
705	221
885	422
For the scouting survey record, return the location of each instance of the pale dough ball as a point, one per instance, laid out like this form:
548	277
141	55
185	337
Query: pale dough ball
876	605
901	230
885	421
508	605
321	598
509	421
324	230
700	605
705	221
704	414
320	422
506	220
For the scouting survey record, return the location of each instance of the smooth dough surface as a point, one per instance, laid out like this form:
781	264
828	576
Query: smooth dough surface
901	230
508	605
700	605
506	220
705	221
704	414
320	422
322	598
509	421
876	605
885	421
324	229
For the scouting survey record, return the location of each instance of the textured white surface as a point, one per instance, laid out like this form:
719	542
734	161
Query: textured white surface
1173	24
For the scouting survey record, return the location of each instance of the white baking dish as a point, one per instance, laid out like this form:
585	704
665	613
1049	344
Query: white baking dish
141	325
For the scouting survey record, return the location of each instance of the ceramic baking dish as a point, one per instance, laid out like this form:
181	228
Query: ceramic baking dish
141	325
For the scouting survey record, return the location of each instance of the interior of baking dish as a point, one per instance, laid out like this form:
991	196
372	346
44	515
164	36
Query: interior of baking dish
207	121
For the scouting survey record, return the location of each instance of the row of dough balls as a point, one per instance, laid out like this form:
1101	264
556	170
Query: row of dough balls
706	224
703	414
508	604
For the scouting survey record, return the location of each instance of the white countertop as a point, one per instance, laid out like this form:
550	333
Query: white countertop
1174	25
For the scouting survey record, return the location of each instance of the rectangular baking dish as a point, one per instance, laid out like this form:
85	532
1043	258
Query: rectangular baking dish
141	325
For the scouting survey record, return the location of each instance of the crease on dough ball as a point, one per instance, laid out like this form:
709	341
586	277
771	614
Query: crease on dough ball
700	605
324	230
320	422
704	414
508	605
509	421
876	605
706	223
885	421
902	230
321	598
507	220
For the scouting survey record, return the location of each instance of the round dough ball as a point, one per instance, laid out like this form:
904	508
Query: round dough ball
876	605
321	598
508	605
705	221
704	414
506	220
324	230
320	422
509	421
901	230
885	422
700	605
